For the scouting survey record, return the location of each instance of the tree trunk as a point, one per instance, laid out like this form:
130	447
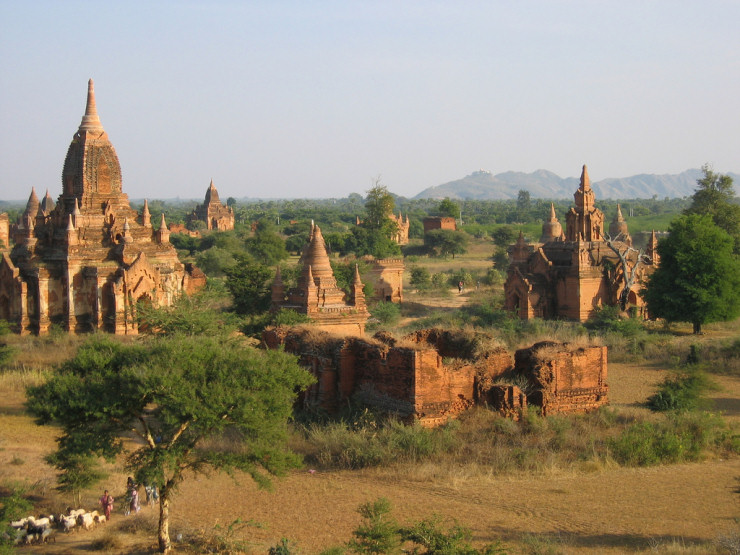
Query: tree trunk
164	520
697	328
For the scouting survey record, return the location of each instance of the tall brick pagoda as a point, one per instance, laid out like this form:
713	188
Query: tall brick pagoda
87	261
318	296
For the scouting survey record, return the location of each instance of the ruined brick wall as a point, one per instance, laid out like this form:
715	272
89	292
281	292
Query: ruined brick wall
414	382
564	380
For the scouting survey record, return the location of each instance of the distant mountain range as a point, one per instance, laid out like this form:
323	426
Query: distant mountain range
483	185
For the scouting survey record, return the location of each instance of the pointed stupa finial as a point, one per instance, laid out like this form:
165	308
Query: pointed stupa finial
70	223
76	210
309	279
162	223
619	217
358	280
553	216
91	121
126	227
585	179
33	199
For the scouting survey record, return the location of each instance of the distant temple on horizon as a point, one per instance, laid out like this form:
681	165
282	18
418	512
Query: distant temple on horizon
215	215
571	275
84	262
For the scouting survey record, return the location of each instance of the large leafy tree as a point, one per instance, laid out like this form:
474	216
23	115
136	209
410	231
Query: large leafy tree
444	242
196	404
698	279
248	281
379	204
715	197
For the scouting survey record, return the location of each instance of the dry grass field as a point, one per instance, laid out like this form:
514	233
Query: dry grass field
598	507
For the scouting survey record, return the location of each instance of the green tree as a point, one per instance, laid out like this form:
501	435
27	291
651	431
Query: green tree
266	245
698	278
523	205
715	197
444	242
249	282
449	209
379	204
197	404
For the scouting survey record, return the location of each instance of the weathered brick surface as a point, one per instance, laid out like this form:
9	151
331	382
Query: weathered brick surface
564	380
414	382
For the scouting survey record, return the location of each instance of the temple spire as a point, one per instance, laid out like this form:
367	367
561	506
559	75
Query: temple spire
91	121
585	179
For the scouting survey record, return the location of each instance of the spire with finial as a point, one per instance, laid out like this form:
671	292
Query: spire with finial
358	294
618	227
71	233
47	203
163	234
652	248
585	179
146	217
551	229
91	121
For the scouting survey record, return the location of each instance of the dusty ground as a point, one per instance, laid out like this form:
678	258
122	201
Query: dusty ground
605	510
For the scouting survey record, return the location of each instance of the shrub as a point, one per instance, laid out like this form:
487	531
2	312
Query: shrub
681	392
379	531
420	277
428	534
681	437
387	313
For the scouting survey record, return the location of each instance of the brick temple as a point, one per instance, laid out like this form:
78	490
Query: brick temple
318	296
215	215
570	275
84	262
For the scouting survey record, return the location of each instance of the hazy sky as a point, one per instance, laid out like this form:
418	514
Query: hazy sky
316	99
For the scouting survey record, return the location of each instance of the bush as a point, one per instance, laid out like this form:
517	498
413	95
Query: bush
420	278
379	532
681	437
681	392
387	313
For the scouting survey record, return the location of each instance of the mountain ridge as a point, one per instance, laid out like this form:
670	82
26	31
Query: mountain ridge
484	185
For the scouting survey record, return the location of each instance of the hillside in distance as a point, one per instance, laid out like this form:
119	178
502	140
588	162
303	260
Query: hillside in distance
483	185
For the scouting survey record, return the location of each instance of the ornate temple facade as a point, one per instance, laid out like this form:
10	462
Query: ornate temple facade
318	296
216	216
571	274
85	261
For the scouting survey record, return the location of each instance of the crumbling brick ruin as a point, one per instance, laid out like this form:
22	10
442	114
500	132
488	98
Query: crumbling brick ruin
433	375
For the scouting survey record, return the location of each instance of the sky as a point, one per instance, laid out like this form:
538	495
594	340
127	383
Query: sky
311	99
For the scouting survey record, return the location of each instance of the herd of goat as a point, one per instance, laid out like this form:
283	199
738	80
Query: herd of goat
32	530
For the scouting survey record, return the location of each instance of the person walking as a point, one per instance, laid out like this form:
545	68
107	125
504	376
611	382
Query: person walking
107	502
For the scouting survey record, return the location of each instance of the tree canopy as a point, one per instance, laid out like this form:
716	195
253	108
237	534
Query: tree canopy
715	197
196	403
379	204
698	278
443	242
448	208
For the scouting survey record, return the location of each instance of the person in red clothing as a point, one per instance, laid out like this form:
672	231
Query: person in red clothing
107	502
